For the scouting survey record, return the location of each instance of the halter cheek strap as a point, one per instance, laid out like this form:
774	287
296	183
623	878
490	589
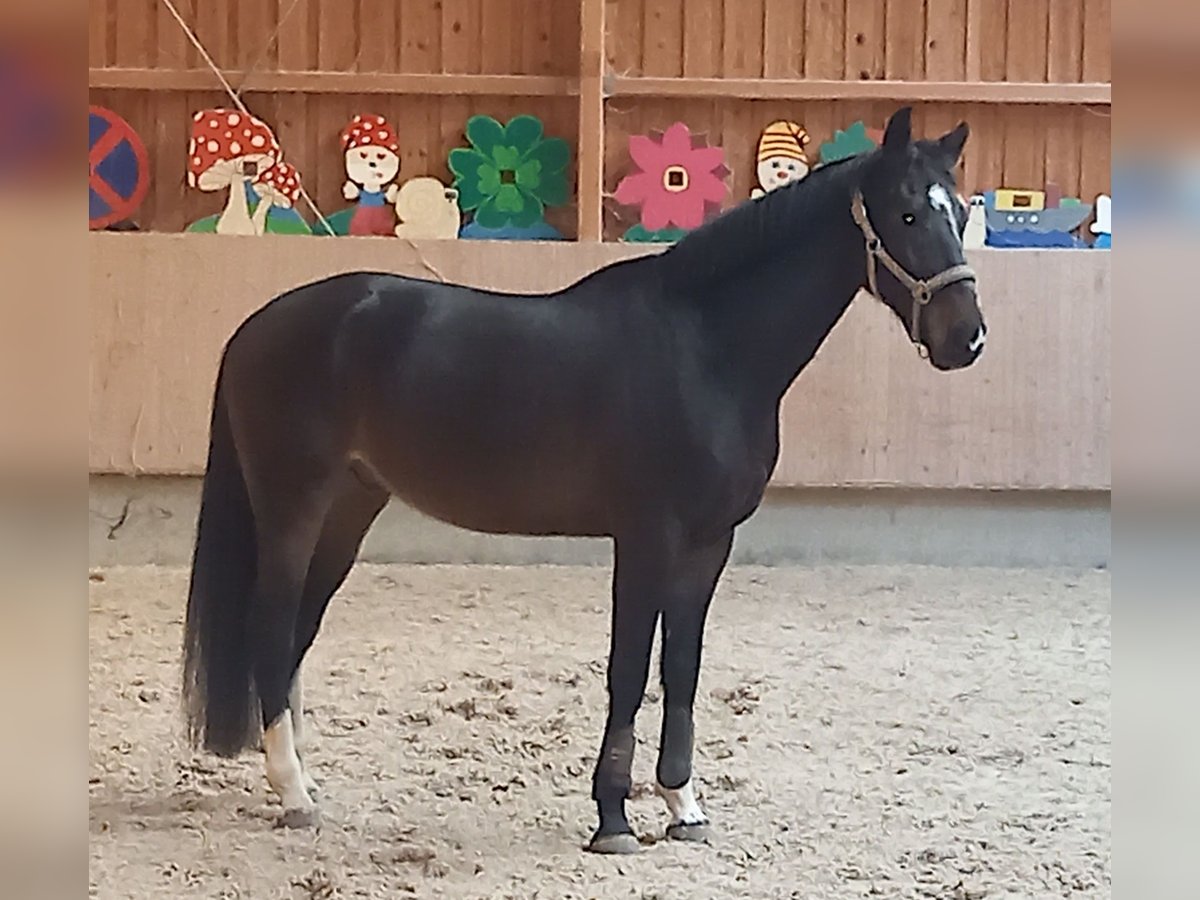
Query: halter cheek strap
921	289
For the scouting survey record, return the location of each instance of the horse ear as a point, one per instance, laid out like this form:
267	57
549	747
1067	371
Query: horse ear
950	145
899	130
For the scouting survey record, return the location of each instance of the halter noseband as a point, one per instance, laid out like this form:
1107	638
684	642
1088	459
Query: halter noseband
922	289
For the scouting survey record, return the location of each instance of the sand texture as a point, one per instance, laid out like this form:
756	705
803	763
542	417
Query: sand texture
898	732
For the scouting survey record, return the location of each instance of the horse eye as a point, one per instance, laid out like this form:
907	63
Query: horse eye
909	218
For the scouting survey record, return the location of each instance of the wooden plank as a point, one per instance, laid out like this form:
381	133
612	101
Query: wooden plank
590	156
1024	150
339	82
256	20
703	25
1027	39
992	42
136	31
462	48
297	39
815	89
537	53
904	45
825	39
820	120
213	26
564	39
500	40
1063	157
98	34
1097	41
946	40
174	49
742	52
420	38
984	165
662	37
624	23
738	136
1095	153
337	36
168	146
865	35
1064	55
377	38
783	38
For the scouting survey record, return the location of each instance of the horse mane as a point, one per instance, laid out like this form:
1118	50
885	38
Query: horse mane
755	230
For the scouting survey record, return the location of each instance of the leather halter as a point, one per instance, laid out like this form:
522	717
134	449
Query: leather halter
921	289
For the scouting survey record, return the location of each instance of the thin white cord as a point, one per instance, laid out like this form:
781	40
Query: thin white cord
191	35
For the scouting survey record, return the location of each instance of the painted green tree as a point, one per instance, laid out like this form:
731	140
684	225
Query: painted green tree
850	142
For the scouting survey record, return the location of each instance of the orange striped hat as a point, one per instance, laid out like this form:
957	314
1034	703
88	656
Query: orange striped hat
786	139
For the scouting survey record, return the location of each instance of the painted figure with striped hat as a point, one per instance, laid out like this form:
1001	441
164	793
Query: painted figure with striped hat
781	156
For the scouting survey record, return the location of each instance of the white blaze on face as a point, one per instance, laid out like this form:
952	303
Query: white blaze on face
940	200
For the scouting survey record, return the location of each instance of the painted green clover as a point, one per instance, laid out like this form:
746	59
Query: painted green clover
510	173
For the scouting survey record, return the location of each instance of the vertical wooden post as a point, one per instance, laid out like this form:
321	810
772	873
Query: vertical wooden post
591	120
974	40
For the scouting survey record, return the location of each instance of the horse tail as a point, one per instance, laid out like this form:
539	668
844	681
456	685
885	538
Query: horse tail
219	699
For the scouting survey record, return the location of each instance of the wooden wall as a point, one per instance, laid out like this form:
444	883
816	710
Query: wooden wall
1032	413
726	67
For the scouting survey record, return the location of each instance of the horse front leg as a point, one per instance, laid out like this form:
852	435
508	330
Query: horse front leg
684	612
634	616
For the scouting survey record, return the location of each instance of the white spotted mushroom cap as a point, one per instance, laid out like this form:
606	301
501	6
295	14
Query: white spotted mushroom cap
369	130
219	138
280	183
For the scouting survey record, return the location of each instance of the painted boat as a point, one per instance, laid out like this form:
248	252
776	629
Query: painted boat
1023	218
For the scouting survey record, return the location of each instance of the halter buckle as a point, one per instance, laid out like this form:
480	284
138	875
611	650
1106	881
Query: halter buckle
922	295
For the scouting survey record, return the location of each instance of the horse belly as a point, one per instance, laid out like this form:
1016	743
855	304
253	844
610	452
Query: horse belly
492	491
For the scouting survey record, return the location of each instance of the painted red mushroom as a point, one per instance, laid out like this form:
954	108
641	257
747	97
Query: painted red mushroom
277	186
228	149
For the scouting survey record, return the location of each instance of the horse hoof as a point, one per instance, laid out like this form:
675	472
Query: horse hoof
681	831
622	844
298	818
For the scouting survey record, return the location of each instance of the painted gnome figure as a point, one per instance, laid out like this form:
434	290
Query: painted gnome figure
975	233
781	156
372	162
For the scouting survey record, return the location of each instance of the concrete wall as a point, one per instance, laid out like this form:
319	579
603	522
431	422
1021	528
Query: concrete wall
151	520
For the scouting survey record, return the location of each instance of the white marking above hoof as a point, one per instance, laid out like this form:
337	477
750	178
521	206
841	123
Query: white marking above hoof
681	802
284	772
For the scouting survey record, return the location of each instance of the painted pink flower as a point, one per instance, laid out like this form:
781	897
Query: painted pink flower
680	181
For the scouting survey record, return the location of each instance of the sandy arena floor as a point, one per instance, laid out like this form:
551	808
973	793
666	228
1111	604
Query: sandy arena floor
868	732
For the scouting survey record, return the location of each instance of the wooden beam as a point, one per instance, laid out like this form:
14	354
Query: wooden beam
412	83
422	83
916	91
591	120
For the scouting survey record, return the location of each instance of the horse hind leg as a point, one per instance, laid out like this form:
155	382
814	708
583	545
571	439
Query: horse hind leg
289	514
357	504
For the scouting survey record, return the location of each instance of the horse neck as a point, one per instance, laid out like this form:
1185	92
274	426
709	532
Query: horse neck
765	324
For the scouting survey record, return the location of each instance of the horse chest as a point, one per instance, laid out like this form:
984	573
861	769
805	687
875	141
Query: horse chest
728	472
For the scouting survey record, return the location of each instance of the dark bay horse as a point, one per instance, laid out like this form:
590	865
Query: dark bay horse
640	404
